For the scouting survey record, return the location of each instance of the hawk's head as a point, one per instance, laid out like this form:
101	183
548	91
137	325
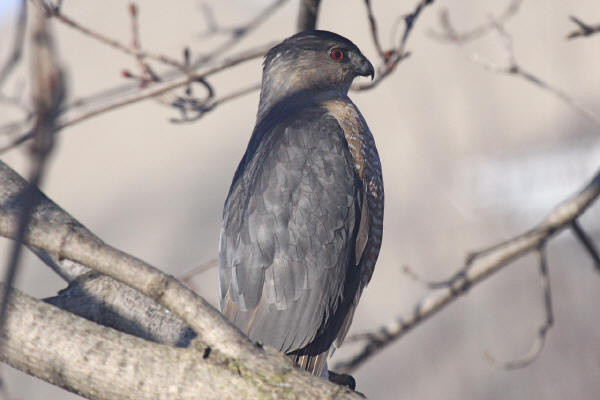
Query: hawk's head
311	61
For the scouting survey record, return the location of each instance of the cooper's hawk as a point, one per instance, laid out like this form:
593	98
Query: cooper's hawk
302	223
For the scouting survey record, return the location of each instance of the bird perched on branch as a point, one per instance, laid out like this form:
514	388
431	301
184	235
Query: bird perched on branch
302	224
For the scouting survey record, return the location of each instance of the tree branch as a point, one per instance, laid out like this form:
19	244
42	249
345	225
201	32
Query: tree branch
101	363
391	58
149	92
15	54
307	15
477	268
512	67
47	94
538	343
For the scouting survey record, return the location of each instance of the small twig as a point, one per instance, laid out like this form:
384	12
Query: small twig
15	54
111	42
200	108
374	32
587	242
584	29
538	343
146	93
187	276
513	68
238	33
391	58
449	34
481	266
148	74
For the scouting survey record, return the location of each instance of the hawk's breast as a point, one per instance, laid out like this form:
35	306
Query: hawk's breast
368	167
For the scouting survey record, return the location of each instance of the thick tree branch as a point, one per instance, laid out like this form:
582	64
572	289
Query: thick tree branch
53	230
478	267
100	363
307	15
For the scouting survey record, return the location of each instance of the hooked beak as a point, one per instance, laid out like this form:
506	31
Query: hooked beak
365	68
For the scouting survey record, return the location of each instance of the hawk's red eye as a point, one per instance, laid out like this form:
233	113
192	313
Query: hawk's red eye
337	54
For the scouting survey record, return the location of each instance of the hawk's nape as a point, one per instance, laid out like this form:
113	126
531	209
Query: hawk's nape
302	224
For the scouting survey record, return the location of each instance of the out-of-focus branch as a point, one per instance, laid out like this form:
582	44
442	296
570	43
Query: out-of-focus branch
478	267
133	51
584	29
512	67
307	14
374	30
15	54
149	92
16	133
391	58
538	343
587	243
237	31
449	34
47	94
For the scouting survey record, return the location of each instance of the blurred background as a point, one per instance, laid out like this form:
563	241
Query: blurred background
470	158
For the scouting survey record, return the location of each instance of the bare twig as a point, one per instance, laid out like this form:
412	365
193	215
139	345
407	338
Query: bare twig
449	34
238	33
146	93
111	42
187	276
538	343
374	32
587	242
391	58
480	267
148	73
513	68
15	54
307	15
47	94
584	29
200	108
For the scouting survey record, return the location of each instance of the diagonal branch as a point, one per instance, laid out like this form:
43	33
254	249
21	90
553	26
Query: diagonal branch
150	92
101	363
54	231
513	68
391	58
587	243
475	270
